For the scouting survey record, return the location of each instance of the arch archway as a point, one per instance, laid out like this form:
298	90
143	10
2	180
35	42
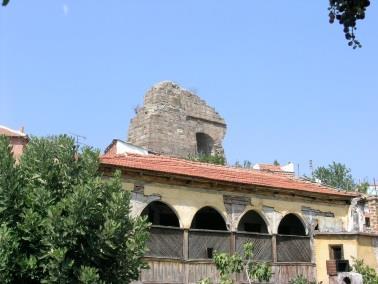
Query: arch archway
291	224
252	222
293	244
209	219
205	143
161	214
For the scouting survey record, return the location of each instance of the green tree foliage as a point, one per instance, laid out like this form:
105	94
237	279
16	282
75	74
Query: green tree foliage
369	275
61	222
362	187
210	159
335	175
300	279
276	163
347	12
227	265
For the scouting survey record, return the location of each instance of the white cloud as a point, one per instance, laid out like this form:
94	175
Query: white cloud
65	9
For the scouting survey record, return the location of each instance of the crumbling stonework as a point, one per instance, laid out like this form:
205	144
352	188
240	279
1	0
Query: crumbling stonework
176	122
372	205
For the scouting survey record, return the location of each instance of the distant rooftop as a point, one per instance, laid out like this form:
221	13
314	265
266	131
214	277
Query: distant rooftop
11	132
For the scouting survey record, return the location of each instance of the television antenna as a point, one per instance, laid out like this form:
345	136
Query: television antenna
78	139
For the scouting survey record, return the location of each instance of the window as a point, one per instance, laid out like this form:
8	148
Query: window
367	222
336	252
291	225
160	214
209	219
205	144
252	222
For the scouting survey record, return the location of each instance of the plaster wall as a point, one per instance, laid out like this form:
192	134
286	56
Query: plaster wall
367	250
321	247
186	201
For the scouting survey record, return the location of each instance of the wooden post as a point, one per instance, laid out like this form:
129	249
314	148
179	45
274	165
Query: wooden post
274	248
233	242
185	244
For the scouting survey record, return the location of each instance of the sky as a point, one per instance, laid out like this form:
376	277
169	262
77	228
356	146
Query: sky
283	78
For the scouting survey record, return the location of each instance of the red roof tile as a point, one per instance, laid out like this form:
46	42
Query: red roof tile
175	166
270	167
10	132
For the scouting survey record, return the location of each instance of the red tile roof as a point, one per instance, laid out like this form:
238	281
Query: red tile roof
10	132
175	166
270	167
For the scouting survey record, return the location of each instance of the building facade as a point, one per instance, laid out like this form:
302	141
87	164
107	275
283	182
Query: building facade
195	209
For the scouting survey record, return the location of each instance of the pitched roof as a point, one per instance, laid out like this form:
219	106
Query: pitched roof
175	166
11	132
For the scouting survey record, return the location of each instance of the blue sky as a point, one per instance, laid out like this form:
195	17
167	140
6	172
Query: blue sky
284	79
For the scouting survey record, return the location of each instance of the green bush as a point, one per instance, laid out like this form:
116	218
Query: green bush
227	265
210	159
300	279
61	222
369	275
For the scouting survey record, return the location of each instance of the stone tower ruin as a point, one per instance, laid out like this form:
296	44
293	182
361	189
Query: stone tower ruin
174	121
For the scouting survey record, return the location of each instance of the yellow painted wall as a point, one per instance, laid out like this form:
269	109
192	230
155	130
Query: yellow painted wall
354	246
366	251
187	201
321	247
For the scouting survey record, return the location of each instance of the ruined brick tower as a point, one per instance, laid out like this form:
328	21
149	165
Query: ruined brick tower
174	121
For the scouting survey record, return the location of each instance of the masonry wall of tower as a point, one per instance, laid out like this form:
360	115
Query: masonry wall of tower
172	120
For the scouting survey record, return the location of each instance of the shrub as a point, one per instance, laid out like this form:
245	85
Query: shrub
61	222
369	275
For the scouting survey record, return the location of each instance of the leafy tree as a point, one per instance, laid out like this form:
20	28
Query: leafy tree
227	265
335	175
347	12
61	222
276	163
362	187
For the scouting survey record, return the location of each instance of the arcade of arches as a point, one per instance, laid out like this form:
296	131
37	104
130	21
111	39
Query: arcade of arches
209	232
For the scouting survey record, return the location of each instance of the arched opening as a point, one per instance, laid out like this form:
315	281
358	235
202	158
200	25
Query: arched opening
347	280
160	214
205	144
292	243
165	238
209	219
291	225
208	234
252	228
252	222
